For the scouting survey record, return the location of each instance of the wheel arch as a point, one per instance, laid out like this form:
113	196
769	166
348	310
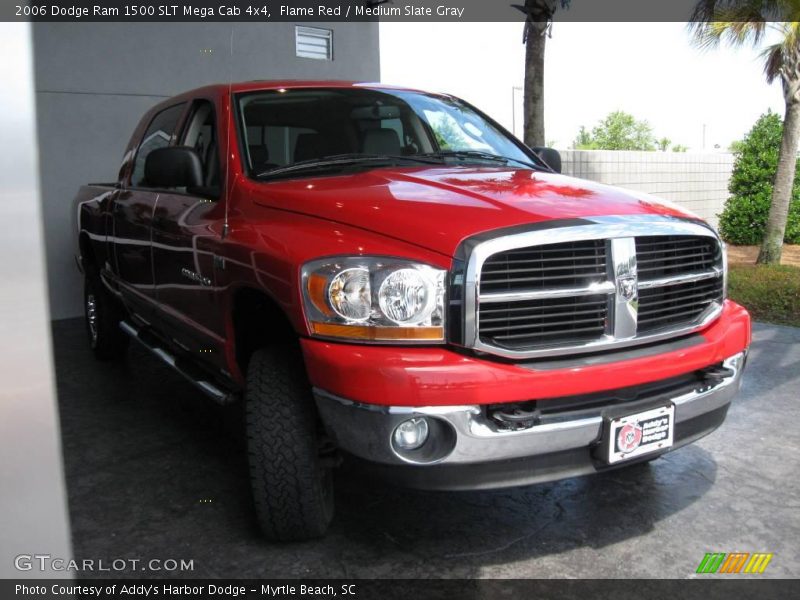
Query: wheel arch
256	321
88	258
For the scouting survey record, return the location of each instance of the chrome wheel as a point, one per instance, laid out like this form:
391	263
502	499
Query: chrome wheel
91	317
102	319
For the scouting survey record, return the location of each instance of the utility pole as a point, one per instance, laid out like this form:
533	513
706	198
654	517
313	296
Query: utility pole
514	90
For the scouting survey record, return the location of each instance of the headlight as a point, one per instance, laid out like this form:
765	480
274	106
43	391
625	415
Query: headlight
349	294
374	298
407	296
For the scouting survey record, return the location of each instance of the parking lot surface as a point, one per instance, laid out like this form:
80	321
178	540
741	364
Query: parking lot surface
156	472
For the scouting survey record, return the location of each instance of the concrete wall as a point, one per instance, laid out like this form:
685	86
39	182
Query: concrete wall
698	182
94	81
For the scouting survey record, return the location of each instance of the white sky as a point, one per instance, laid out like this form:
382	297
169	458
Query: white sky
648	69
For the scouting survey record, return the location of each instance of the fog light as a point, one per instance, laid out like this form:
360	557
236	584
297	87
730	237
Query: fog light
411	434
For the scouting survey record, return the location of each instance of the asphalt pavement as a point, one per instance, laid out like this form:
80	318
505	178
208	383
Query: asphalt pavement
153	470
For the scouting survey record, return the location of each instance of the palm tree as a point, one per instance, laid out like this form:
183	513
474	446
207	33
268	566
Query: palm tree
538	23
746	22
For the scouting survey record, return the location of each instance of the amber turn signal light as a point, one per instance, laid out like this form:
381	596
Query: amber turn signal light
317	288
378	333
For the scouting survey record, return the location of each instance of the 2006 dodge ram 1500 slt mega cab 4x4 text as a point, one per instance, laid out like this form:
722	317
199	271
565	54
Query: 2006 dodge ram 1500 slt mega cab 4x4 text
389	276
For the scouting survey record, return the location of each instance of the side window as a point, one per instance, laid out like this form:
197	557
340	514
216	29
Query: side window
201	134
158	135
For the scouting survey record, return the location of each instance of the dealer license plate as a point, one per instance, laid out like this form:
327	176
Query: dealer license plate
640	433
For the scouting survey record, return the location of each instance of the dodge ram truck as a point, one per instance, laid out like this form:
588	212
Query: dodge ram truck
388	277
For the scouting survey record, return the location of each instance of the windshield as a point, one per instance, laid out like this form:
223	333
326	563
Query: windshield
295	130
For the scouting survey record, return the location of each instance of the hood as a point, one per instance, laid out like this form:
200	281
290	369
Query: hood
436	208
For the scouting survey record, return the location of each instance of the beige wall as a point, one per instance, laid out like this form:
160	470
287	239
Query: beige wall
697	181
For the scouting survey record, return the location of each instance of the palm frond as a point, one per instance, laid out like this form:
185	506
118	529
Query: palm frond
782	58
738	22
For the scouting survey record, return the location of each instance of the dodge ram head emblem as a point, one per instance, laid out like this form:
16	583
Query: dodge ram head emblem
626	287
629	438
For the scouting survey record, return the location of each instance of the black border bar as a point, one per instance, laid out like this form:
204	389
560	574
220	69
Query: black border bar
710	587
339	10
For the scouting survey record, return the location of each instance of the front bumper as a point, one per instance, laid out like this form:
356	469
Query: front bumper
467	449
442	376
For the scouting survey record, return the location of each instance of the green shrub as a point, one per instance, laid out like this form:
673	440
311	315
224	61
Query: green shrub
618	131
746	210
770	292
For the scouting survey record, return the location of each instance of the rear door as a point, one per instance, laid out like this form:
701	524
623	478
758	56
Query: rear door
187	227
132	217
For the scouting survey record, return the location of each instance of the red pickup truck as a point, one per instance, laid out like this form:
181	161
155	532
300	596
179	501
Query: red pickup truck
389	276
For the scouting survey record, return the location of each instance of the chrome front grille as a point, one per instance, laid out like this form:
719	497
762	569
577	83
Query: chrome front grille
610	283
697	258
662	256
533	322
568	264
676	304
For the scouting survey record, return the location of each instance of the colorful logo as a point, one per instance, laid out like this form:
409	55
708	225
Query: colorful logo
734	562
629	437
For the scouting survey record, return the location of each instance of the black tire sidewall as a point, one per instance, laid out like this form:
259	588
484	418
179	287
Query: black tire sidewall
292	490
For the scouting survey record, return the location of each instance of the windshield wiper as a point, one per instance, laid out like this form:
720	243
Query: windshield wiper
336	160
480	155
360	156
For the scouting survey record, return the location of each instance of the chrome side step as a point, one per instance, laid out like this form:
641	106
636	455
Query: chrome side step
212	391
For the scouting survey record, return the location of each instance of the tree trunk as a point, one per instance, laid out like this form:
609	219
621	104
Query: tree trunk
772	245
534	84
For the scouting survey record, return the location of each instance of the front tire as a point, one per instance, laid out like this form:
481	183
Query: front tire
292	489
103	315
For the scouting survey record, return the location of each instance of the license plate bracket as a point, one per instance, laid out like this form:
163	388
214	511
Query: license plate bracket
629	436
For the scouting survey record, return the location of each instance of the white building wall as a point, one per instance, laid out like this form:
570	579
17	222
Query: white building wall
697	181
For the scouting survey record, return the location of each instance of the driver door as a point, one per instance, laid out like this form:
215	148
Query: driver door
187	227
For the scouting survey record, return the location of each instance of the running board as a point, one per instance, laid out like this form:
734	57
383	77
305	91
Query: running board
151	343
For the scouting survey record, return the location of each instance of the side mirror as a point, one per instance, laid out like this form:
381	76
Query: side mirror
550	156
174	166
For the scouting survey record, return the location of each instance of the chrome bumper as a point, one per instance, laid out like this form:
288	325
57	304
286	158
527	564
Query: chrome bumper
469	437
